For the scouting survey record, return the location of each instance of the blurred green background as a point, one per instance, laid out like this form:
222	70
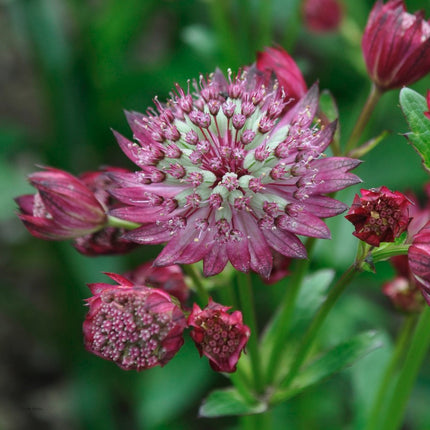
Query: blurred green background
68	69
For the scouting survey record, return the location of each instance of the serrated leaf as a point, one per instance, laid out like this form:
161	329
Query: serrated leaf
339	357
229	402
413	106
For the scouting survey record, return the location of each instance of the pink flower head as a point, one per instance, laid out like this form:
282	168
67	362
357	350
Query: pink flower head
169	279
322	16
278	61
63	207
279	269
226	175
419	260
427	114
396	45
403	290
218	335
109	240
380	215
135	326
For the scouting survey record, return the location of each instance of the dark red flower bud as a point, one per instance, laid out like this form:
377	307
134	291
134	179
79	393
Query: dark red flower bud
404	294
63	208
218	335
322	16
380	215
419	260
396	45
289	76
168	278
109	240
135	326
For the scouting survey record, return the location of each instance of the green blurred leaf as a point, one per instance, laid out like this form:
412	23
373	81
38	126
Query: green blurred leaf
333	361
229	402
311	295
413	106
165	393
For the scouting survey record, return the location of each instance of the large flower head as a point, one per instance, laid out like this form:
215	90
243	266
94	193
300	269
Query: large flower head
227	175
396	45
135	326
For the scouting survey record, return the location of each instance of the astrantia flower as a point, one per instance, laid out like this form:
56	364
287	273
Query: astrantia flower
380	215
321	16
169	278
63	207
109	240
419	260
227	176
135	326
403	291
218	335
396	45
278	61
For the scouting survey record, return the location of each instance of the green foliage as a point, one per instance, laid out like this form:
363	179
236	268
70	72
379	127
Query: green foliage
413	106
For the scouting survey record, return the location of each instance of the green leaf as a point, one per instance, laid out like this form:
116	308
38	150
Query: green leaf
229	402
333	361
312	294
413	106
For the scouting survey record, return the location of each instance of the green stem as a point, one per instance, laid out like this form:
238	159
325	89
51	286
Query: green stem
401	347
194	274
257	422
369	106
417	350
247	307
384	253
121	223
319	318
285	314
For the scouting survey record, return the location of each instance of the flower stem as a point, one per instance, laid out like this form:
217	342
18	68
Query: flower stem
193	273
402	344
319	318
384	253
369	106
121	223
416	352
247	307
285	314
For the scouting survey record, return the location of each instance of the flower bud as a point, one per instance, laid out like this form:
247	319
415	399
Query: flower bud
168	278
419	260
218	335
380	215
396	45
135	326
322	16
63	208
109	240
279	62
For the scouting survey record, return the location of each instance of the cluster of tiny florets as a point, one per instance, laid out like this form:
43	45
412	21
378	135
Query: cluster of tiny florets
125	330
227	164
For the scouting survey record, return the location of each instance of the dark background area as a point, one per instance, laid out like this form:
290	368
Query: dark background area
68	69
